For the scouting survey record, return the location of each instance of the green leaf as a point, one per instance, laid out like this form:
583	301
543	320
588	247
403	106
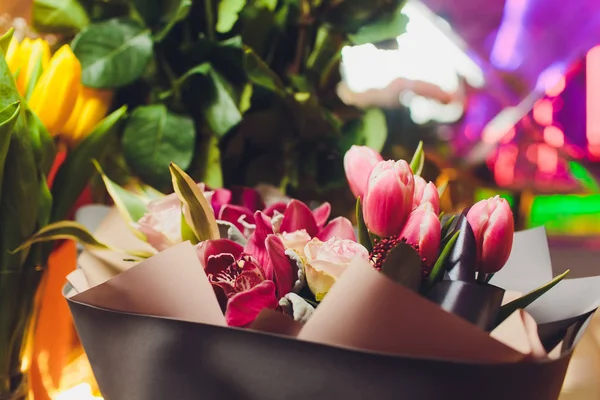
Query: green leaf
437	272
200	215
131	206
442	189
5	40
211	171
260	73
363	233
45	203
154	137
403	265
186	232
389	26
223	113
8	119
446	225
59	16
375	129
75	173
268	4
35	76
43	145
178	11
418	160
228	14
522	302
113	53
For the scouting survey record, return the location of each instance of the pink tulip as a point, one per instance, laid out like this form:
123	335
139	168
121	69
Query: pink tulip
423	230
359	161
493	225
389	198
426	193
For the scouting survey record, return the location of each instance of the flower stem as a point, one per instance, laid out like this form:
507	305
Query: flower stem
210	19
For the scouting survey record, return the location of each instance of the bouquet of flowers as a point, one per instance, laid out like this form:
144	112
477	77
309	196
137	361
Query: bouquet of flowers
236	295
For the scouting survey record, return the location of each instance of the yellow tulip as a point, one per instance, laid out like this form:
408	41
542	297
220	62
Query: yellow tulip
91	106
55	94
12	54
24	56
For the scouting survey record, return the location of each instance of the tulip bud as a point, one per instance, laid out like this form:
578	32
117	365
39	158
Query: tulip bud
359	161
29	53
389	198
426	193
423	230
493	226
55	94
91	106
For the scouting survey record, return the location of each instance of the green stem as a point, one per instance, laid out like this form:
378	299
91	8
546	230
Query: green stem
210	19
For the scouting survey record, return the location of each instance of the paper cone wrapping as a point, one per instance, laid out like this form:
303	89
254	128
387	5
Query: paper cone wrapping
155	331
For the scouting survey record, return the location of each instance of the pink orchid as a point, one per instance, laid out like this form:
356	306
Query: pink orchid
243	284
297	216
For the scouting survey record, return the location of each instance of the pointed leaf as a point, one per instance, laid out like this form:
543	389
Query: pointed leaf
363	233
447	224
260	73
59	16
8	119
442	189
186	232
461	261
5	40
199	212
403	265
418	160
524	301
75	173
178	11
437	272
228	14
34	77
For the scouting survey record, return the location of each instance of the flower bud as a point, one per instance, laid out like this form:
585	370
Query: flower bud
91	106
426	193
423	230
493	226
55	94
359	161
389	198
26	57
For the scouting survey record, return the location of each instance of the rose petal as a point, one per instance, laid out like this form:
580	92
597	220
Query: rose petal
338	227
243	308
215	247
322	213
219	198
256	243
235	215
284	271
298	216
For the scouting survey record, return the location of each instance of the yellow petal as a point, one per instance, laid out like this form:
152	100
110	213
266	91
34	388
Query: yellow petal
55	94
12	54
91	106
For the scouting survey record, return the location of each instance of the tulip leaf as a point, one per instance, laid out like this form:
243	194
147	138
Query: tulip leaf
43	145
201	216
186	231
525	300
8	119
388	26
403	265
5	40
75	173
447	223
461	261
153	137
418	160
131	206
442	189
363	233
437	272
178	10
34	77
73	231
45	203
228	14
59	16
113	53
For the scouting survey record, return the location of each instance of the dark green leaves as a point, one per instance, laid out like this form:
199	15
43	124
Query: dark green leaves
5	40
418	160
59	16
363	232
153	138
178	10
113	53
403	265
8	119
42	142
260	73
437	272
223	112
228	14
388	26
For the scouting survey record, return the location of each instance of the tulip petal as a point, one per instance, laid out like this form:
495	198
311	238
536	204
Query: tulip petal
277	207
298	216
248	198
497	241
209	248
220	198
339	227
237	215
256	246
284	271
322	213
243	308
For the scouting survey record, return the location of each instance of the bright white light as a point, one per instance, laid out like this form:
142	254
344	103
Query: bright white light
425	53
82	391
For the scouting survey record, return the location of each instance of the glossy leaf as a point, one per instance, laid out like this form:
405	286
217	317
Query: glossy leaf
199	212
75	173
5	40
228	14
375	129
388	26
363	233
223	112
418	160
437	272
113	53
59	16
524	301
403	265
153	137
8	120
462	260
178	11
260	73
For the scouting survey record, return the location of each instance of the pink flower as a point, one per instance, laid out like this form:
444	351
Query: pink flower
297	216
423	230
493	225
161	224
389	198
295	240
426	192
243	285
326	261
359	161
